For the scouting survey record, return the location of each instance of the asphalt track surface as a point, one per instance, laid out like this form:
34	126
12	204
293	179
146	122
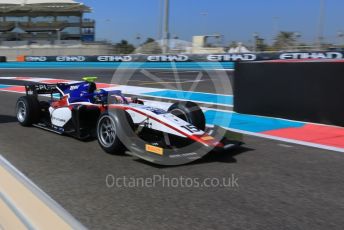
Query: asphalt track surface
212	81
279	185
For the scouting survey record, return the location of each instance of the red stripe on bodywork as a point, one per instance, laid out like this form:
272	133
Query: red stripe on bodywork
192	137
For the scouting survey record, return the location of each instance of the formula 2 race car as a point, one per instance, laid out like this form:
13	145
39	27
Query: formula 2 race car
121	124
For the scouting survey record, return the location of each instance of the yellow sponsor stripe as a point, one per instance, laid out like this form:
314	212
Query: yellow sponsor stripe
207	138
154	149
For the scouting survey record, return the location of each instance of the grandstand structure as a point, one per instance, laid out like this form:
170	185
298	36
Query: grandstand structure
35	21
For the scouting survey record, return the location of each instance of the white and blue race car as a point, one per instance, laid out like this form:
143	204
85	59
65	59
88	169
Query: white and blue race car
122	124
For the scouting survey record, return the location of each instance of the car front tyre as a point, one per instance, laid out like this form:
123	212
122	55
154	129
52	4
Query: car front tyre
189	112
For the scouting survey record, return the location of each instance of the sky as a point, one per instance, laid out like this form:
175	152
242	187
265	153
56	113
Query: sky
237	20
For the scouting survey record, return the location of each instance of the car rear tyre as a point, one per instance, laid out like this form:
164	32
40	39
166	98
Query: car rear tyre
189	112
28	110
108	132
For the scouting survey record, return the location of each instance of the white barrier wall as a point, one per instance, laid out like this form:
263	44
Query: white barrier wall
12	52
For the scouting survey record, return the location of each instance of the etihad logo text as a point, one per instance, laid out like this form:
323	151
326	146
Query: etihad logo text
327	55
168	58
232	57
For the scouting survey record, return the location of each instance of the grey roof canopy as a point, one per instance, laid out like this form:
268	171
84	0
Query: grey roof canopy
7	6
22	2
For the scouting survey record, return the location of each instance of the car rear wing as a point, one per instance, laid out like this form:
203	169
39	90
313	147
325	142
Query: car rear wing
38	89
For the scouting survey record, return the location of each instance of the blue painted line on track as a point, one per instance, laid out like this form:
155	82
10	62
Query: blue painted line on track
194	96
4	86
248	123
122	65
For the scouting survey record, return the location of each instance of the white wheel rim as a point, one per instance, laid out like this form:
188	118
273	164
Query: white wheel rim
106	131
21	111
